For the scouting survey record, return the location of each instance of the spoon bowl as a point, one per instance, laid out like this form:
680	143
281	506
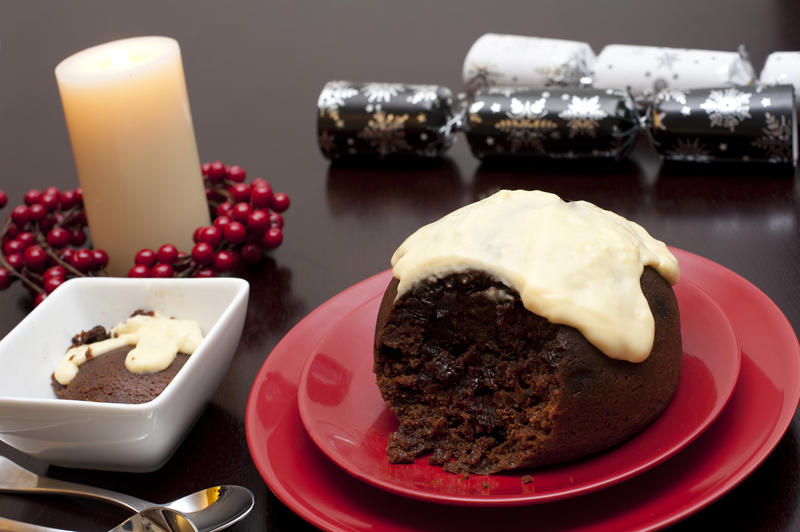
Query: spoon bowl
156	519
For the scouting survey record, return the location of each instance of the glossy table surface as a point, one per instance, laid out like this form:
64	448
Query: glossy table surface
254	71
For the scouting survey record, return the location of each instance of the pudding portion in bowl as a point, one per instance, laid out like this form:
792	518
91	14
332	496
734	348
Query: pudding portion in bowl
131	363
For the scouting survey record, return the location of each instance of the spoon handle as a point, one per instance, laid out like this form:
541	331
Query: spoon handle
15	478
10	525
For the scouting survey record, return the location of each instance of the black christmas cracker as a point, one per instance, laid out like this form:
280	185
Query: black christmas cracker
556	123
527	96
382	119
726	124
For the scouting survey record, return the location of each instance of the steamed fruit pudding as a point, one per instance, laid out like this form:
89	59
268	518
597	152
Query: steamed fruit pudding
131	363
523	330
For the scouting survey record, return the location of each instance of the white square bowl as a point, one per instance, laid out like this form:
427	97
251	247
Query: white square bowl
111	436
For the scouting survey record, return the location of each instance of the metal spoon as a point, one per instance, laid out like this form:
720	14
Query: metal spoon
209	510
154	519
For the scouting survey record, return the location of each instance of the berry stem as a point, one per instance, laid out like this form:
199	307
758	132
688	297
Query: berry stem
53	255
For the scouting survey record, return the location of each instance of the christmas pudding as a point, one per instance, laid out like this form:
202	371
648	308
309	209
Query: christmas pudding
523	330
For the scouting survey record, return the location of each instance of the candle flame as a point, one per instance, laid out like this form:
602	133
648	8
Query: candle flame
120	58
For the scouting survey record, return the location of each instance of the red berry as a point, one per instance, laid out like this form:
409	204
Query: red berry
3	199
221	221
82	260
50	191
216	172
258	221
204	168
161	270
79	194
224	209
12	231
58	237
39	298
13	246
259	182
68	199
261	196
251	253
21	214
272	238
51	283
204	272
99	259
223	261
50	201
167	254
5	278
240	192
35	258
15	260
280	202
77	237
241	211
55	271
276	220
203	253
66	254
46	223
37	212
139	271
234	232
26	238
211	235
146	257
33	196
196	234
236	174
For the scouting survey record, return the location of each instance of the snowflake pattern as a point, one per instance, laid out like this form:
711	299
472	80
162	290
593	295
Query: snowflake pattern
727	107
381	92
776	139
426	94
525	133
689	150
667	59
527	108
481	76
569	72
332	97
583	116
386	133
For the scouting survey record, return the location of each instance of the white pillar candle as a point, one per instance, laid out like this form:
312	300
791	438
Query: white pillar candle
127	111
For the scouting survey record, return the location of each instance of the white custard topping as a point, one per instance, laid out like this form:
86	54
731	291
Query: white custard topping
572	263
158	340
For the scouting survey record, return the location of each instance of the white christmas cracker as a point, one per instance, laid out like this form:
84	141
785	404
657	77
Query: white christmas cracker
782	68
514	60
648	69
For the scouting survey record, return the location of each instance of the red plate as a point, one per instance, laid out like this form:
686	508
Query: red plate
344	414
757	414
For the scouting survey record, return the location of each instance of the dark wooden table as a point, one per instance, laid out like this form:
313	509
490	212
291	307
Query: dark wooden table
254	71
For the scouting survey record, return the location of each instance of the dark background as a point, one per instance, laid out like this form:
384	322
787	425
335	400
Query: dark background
254	71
